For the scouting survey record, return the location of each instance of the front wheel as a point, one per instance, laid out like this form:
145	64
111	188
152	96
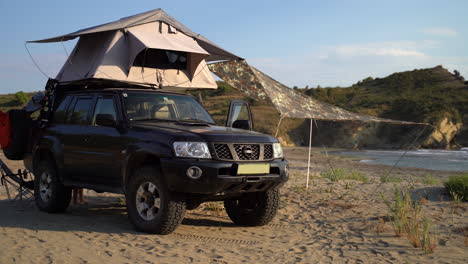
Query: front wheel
151	208
49	193
253	209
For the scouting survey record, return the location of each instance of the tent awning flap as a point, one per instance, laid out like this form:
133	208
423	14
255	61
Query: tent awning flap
288	102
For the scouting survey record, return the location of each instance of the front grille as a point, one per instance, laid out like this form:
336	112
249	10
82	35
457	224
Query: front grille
247	151
222	151
268	151
243	152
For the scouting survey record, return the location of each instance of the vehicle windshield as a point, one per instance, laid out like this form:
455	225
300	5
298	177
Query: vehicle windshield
142	106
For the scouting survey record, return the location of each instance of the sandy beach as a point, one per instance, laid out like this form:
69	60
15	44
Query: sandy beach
330	222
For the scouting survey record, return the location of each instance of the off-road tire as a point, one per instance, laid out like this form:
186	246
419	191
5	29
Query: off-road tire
253	209
59	196
171	209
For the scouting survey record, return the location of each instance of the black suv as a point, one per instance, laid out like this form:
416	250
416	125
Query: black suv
162	150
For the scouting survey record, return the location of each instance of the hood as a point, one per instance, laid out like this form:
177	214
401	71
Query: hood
202	132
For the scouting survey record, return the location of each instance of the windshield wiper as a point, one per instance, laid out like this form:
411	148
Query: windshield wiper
157	119
194	120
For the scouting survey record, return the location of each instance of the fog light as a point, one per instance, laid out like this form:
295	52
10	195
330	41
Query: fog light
194	172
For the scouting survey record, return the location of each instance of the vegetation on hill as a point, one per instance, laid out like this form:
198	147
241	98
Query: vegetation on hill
16	100
425	95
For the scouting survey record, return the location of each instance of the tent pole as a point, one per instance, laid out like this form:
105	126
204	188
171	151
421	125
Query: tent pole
310	146
277	128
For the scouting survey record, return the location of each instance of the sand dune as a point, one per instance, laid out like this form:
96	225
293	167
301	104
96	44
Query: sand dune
328	223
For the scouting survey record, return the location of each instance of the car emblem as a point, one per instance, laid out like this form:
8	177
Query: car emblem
247	151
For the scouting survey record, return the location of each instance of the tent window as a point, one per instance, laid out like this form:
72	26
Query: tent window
161	59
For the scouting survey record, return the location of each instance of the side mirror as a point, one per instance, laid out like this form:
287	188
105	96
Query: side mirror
106	120
240	115
241	124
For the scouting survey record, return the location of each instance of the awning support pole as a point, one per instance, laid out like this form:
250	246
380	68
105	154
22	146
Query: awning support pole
277	128
310	146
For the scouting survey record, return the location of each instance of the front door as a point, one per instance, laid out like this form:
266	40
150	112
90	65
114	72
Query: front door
239	115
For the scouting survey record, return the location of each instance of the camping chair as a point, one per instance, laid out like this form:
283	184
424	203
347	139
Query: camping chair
21	189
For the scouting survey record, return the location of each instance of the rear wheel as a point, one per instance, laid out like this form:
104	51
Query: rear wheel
151	207
253	209
50	194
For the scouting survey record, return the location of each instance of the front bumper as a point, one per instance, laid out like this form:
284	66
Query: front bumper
220	177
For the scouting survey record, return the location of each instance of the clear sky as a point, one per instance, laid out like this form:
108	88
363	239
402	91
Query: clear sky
326	43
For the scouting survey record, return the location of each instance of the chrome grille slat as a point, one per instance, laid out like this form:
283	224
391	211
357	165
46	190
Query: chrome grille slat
243	151
222	151
268	151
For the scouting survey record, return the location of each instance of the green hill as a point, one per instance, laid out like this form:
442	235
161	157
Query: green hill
424	95
433	96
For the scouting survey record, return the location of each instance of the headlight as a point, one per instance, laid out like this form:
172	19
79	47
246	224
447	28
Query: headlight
277	151
197	150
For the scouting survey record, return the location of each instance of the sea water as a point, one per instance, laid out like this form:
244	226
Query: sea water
444	160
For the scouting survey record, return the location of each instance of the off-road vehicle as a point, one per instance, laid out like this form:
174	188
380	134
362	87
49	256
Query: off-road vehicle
162	150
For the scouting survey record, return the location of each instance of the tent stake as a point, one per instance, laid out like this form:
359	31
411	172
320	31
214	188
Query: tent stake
310	146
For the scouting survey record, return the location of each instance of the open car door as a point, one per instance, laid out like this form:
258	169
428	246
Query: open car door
240	115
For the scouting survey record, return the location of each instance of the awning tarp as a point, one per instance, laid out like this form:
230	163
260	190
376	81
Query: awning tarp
288	102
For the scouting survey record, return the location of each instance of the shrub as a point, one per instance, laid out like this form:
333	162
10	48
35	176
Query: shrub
21	98
357	176
407	218
430	180
335	175
388	178
457	186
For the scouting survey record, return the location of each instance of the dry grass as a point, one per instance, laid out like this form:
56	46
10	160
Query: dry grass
339	174
407	218
430	180
389	178
464	232
213	206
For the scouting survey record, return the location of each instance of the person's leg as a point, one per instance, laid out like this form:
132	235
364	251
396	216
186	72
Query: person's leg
75	196
82	201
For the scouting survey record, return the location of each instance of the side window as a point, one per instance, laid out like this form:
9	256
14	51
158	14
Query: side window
79	115
60	115
105	105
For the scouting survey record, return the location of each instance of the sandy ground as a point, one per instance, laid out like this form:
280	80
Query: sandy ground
331	222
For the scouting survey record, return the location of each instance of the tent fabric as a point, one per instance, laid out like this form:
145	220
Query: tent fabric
110	55
156	15
165	39
288	102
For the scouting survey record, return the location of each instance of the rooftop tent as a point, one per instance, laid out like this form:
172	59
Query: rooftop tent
151	48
